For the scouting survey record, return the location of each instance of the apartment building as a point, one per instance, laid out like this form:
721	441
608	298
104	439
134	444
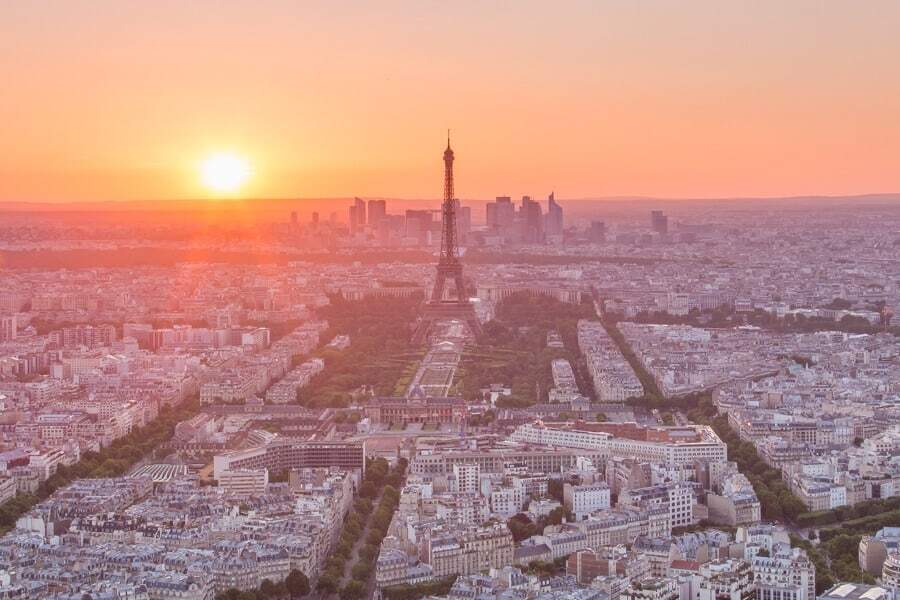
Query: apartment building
470	551
677	498
789	575
667	445
244	482
582	500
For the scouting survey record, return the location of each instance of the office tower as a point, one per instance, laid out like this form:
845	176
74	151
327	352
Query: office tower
360	205
554	219
597	231
377	211
490	215
418	224
659	222
506	212
294	218
500	214
531	220
395	223
463	220
353	218
315	219
449	267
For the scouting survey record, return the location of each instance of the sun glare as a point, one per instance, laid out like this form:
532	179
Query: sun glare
224	173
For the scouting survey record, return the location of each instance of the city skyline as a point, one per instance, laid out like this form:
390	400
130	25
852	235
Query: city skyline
592	100
268	331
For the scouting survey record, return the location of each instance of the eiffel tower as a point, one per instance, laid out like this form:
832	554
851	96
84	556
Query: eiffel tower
449	268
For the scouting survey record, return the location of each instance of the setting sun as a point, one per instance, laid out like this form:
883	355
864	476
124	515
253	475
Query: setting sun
224	173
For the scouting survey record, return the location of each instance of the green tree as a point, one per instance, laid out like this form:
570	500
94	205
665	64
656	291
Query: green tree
521	527
361	571
556	516
267	589
555	489
368	490
327	584
297	583
369	552
354	590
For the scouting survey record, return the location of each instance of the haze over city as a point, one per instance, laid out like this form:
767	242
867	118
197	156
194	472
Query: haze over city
449	301
125	100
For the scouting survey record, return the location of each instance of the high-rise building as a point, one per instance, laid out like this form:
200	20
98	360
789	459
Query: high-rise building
315	219
597	231
659	222
532	221
500	214
418	224
463	220
506	212
377	211
360	205
353	218
294	218
490	215
554	219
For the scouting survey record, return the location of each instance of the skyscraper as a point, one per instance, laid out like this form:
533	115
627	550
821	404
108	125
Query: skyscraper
490	215
418	224
532	221
500	213
463	220
377	211
353	218
659	222
554	219
360	205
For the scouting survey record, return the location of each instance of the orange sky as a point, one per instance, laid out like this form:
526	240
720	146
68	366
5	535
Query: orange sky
121	99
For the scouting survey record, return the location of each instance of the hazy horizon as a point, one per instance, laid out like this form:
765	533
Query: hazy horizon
589	99
232	202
